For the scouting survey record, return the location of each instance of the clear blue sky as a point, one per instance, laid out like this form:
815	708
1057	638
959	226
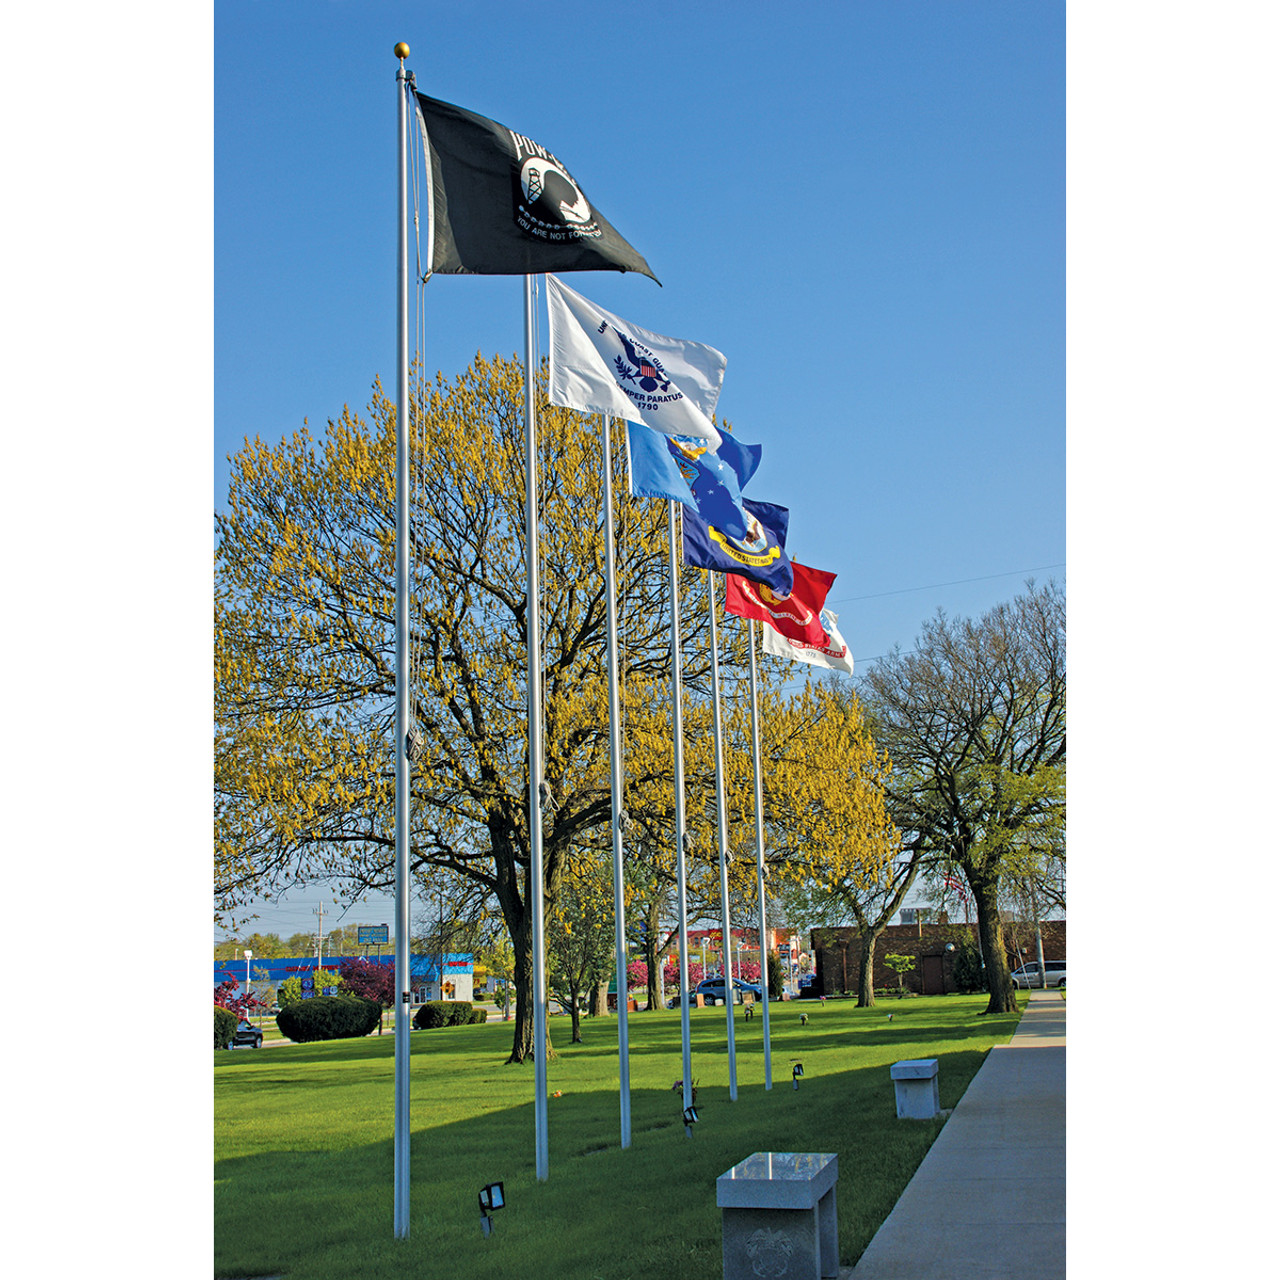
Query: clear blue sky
862	206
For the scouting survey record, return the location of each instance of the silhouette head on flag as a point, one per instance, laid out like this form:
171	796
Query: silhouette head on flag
502	204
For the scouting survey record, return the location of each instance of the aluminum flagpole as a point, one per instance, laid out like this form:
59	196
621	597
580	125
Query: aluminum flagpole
535	743
615	788
401	1142
677	731
722	827
755	765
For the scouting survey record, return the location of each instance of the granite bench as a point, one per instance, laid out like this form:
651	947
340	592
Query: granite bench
778	1216
915	1088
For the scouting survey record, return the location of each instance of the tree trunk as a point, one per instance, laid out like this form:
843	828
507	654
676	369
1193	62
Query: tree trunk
600	999
575	1015
866	967
999	983
653	984
522	980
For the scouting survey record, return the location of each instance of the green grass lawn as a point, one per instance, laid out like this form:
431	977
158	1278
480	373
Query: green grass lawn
303	1141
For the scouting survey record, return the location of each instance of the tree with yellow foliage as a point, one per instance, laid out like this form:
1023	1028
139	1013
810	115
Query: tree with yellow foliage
305	672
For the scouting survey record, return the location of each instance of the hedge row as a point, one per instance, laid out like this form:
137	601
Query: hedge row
447	1013
224	1026
328	1018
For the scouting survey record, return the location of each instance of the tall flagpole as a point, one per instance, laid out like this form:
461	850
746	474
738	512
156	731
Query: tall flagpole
615	789
755	765
677	730
722	827
401	1143
535	743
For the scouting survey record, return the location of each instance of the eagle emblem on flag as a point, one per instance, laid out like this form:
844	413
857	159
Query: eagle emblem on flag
640	366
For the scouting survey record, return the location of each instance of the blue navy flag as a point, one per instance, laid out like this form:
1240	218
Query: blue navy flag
761	555
685	470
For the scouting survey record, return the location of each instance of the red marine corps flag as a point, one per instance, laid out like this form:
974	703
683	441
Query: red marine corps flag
796	616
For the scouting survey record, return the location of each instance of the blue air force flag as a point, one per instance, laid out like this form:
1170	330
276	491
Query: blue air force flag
685	470
602	364
760	555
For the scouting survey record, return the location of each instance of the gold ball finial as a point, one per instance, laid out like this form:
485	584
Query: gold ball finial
402	51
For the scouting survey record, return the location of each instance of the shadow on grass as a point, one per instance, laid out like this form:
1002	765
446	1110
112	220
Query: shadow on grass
319	1205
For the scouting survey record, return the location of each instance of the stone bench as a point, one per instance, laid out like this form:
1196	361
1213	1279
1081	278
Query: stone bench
915	1088
778	1216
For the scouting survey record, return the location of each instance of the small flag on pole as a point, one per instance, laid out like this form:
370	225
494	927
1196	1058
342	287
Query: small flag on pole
502	204
834	654
795	616
759	554
603	364
685	470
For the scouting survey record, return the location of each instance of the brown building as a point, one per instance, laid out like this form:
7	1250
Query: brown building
837	954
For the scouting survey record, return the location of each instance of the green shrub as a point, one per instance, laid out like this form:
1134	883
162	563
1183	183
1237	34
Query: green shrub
224	1026
775	978
328	1018
479	1015
290	990
434	1013
443	1013
966	965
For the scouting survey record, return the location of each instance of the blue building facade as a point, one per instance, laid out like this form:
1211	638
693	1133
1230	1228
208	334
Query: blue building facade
459	972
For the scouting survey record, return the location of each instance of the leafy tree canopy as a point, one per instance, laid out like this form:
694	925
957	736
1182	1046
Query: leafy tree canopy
304	680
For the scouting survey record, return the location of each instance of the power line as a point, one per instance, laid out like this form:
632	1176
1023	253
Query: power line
986	577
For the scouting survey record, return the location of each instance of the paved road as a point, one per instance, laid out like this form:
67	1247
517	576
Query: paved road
988	1202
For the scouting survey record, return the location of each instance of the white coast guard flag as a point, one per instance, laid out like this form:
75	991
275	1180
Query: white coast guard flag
602	364
834	655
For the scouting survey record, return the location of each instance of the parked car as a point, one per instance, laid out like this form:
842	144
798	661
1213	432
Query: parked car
808	987
712	990
247	1036
1055	974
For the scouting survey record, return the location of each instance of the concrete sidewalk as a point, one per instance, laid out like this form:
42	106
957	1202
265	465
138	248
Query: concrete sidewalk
988	1202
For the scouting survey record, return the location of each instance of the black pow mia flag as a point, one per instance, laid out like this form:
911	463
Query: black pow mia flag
502	205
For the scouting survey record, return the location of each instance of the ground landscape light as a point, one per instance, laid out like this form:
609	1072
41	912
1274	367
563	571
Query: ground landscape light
491	1198
691	1115
796	1072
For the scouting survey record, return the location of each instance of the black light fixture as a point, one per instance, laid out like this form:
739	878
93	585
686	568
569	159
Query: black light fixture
491	1198
690	1116
797	1070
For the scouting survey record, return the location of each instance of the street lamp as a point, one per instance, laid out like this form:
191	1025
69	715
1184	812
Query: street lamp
248	955
947	950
